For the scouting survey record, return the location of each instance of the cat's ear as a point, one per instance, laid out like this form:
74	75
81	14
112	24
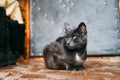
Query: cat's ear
67	27
67	30
82	28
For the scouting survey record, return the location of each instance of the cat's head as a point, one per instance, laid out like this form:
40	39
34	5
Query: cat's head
77	38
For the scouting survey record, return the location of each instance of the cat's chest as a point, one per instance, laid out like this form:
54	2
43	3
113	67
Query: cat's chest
77	56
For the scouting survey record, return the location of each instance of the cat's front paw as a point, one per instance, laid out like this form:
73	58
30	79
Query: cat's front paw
79	68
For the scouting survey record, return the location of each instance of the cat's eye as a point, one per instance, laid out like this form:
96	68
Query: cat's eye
74	37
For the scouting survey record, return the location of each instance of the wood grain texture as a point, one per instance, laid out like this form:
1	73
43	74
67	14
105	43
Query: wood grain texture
34	69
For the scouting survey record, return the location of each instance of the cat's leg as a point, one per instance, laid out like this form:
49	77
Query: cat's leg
50	61
71	67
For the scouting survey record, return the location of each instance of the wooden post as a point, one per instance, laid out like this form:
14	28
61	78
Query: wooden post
27	31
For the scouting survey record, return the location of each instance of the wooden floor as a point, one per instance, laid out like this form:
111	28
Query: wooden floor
96	68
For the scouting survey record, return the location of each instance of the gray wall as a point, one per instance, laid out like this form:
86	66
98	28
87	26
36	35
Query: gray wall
50	17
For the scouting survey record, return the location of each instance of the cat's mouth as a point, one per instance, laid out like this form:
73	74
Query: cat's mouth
74	47
71	47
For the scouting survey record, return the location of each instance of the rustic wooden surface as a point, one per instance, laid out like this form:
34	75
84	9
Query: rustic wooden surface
106	68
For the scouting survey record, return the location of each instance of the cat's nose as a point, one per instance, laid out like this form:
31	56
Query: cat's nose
68	44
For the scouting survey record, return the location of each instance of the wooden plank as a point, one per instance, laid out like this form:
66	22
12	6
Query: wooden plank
27	39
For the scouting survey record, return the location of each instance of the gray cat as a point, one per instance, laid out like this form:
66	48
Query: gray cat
67	52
